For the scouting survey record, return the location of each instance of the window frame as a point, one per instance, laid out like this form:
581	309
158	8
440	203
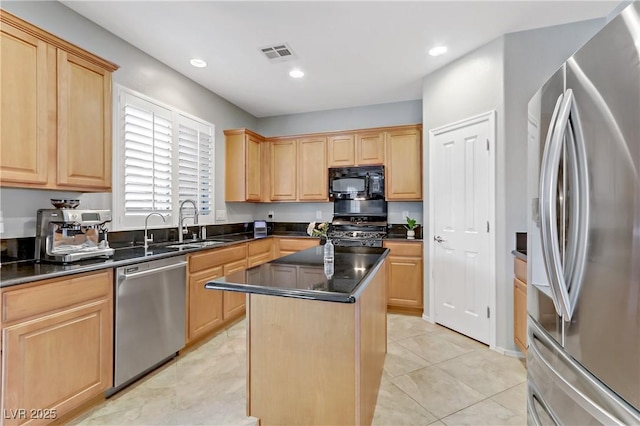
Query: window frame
122	221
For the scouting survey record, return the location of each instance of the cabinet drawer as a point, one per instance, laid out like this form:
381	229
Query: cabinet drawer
216	257
296	244
260	247
409	249
35	299
258	259
520	269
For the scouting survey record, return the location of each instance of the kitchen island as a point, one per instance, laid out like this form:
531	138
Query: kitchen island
316	336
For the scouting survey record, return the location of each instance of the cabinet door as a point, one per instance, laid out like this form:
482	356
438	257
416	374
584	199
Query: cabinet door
342	150
58	361
520	314
404	282
252	168
27	94
403	165
233	301
312	160
204	311
84	123
283	170
370	148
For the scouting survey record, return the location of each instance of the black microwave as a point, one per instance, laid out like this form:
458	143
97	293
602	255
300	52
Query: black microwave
356	183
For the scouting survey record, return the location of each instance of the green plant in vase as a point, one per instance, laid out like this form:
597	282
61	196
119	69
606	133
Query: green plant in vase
410	226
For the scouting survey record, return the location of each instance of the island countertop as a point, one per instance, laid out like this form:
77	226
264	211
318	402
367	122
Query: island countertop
302	275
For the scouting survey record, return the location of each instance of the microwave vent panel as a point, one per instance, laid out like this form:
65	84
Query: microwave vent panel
278	53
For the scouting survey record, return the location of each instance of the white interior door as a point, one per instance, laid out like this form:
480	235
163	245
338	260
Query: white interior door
461	197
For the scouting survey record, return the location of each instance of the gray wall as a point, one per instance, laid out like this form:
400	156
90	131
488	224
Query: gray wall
391	114
140	72
469	86
502	75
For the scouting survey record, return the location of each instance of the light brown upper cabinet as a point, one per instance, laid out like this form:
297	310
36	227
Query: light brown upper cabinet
356	149
243	164
299	169
284	169
369	148
56	111
403	171
342	150
26	94
84	123
312	172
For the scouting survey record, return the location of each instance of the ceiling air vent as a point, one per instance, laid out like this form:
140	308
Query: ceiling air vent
278	53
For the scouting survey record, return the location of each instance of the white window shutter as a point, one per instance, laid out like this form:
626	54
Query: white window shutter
146	139
195	163
163	157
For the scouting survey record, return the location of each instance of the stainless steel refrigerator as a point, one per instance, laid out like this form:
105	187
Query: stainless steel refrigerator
583	297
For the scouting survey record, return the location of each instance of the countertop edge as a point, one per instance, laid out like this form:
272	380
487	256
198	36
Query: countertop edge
304	294
519	255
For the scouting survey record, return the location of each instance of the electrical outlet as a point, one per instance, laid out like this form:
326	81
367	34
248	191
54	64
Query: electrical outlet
318	214
271	215
405	214
221	215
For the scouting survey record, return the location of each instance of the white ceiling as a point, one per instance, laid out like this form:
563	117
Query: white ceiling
353	53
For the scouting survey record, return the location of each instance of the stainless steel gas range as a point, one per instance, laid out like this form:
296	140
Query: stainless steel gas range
359	223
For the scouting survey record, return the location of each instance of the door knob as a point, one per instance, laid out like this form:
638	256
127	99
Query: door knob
438	239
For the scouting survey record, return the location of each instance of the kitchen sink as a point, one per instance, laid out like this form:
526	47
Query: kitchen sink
199	244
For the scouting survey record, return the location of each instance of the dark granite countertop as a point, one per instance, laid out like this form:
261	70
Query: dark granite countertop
15	273
302	275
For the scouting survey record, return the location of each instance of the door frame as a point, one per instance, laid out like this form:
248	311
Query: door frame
489	117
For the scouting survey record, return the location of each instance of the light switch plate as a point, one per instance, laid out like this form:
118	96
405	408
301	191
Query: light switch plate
271	215
221	215
318	214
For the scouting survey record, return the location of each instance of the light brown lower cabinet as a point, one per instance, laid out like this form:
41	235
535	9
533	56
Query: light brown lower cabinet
520	304
57	346
520	314
209	310
286	246
204	306
405	277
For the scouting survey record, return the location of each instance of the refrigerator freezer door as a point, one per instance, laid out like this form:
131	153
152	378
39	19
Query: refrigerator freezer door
604	332
561	391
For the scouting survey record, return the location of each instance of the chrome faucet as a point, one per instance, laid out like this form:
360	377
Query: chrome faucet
146	219
181	229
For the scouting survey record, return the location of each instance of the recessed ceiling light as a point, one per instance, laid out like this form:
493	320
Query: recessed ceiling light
438	50
198	63
296	73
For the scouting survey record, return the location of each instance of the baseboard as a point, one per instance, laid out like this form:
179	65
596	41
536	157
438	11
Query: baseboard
427	318
509	352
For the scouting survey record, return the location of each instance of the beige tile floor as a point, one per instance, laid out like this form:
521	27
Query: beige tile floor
432	376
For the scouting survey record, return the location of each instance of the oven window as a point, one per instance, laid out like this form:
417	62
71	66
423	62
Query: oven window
348	185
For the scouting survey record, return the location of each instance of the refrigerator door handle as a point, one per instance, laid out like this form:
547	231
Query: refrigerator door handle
547	199
534	400
579	228
566	279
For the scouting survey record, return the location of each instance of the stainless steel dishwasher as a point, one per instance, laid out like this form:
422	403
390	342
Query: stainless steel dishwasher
149	317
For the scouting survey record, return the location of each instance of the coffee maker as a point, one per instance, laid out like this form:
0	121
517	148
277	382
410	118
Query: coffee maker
69	235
